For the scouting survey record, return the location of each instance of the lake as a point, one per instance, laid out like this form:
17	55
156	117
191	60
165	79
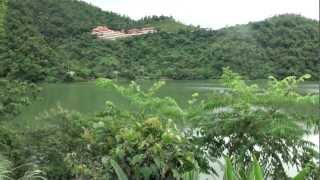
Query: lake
88	98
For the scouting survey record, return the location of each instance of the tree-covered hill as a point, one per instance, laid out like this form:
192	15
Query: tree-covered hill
164	23
281	46
48	39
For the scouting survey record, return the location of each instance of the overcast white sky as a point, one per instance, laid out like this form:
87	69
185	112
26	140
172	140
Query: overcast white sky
210	13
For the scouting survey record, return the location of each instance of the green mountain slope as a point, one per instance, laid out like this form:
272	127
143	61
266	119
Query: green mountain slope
164	23
48	39
64	18
36	28
281	46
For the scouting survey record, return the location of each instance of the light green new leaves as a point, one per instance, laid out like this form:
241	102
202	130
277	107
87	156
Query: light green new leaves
146	101
256	171
229	173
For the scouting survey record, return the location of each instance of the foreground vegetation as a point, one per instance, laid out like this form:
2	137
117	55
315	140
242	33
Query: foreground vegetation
159	139
47	39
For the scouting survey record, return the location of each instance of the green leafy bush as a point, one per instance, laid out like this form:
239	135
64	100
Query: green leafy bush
14	95
247	120
144	142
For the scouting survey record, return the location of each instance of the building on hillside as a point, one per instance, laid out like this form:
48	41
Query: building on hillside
141	31
103	32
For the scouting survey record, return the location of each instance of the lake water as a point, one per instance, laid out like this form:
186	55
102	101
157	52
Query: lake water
88	98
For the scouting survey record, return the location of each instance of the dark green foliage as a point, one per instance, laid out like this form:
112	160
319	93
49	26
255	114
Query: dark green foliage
164	23
3	12
36	29
277	46
49	146
57	19
13	96
153	151
49	39
13	163
26	55
76	146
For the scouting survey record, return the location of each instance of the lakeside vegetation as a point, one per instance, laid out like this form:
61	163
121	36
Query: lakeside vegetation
148	142
252	132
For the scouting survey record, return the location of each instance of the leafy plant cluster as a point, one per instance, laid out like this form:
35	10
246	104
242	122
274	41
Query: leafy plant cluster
48	39
13	96
247	121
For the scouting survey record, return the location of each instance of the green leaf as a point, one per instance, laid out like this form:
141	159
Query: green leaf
258	174
137	159
146	172
121	175
229	171
302	174
158	162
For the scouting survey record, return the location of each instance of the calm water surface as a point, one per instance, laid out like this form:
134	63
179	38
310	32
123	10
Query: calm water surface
88	98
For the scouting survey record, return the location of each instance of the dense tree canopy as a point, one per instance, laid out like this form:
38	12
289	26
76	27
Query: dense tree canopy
48	39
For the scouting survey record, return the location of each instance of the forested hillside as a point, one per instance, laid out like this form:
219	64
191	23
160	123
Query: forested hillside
164	23
48	39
